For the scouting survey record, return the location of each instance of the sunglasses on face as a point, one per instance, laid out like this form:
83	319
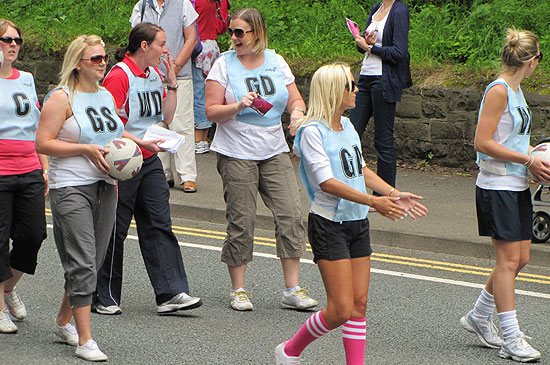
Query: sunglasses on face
353	85
239	33
9	40
539	56
96	59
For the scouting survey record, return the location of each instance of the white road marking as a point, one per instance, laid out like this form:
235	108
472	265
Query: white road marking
377	271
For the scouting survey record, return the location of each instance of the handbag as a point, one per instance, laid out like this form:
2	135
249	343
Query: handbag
222	16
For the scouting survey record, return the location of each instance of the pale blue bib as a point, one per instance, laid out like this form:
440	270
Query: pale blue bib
266	80
144	100
519	138
343	149
96	116
18	108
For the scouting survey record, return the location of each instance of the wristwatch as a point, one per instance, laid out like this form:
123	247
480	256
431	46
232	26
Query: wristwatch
170	87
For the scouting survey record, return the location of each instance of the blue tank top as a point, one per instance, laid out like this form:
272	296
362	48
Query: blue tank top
18	108
144	100
266	80
519	138
343	149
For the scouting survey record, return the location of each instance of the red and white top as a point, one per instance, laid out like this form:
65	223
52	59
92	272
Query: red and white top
118	84
19	115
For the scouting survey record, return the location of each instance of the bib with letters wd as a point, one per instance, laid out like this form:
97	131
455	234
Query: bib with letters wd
18	106
266	80
144	100
343	149
519	138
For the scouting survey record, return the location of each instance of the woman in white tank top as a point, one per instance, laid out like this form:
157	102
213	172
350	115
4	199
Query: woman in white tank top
503	199
83	203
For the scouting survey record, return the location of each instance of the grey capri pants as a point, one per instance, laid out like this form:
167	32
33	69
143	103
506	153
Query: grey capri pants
83	220
275	180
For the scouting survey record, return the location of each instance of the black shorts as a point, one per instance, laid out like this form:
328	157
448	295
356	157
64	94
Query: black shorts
336	241
504	215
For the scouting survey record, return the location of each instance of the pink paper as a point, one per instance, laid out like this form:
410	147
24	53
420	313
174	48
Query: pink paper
353	27
261	106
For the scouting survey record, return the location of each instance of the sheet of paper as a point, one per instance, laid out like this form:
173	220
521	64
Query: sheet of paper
353	27
173	140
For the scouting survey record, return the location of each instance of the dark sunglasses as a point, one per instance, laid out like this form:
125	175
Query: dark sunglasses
539	56
239	33
96	59
353	85
8	40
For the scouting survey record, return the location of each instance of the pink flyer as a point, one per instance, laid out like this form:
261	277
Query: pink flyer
261	106
353	27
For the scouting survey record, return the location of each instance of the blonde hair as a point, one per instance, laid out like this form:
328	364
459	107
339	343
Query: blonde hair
68	76
4	24
520	47
256	21
326	93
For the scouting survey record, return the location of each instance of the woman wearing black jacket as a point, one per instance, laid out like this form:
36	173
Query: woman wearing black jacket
384	74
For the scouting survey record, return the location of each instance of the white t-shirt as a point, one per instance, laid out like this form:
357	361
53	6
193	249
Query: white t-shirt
317	167
73	170
372	64
242	140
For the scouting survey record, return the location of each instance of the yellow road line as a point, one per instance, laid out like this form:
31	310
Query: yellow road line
544	277
380	257
439	267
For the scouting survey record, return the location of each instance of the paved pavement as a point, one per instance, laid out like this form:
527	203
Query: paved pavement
450	227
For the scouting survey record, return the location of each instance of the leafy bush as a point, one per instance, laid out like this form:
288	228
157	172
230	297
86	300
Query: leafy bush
308	33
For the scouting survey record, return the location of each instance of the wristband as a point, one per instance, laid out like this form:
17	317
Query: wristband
170	87
45	172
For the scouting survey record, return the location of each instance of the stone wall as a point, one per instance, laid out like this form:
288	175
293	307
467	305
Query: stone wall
435	125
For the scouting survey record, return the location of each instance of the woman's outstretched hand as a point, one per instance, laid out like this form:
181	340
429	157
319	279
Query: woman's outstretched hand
409	202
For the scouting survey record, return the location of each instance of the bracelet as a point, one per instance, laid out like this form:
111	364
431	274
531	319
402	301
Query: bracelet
369	198
529	162
170	87
391	191
299	109
45	172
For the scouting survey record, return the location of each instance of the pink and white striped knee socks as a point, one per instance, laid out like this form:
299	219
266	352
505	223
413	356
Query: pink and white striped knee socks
354	336
312	329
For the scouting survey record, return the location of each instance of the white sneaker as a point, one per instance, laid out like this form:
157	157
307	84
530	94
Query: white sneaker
485	330
182	301
519	350
90	351
6	325
201	147
283	359
240	301
298	299
67	333
110	310
15	305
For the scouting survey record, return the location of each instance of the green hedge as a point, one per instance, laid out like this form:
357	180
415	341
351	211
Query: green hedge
464	33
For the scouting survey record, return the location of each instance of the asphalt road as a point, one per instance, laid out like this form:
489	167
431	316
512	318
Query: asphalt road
416	299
